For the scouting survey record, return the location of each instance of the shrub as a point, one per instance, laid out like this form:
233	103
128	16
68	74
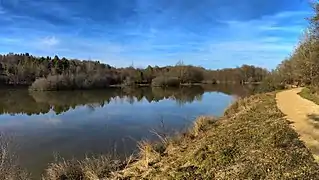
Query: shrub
269	84
187	74
164	81
41	84
128	81
67	82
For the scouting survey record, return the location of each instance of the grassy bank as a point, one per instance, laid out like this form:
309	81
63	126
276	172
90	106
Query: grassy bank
251	141
310	93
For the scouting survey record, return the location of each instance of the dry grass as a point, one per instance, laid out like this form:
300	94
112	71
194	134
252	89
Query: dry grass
9	168
201	124
88	169
252	141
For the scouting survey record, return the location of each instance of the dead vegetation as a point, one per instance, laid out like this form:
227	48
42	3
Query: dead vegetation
9	168
88	169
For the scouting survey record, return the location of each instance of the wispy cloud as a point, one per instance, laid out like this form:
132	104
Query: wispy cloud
49	41
213	34
263	42
10	40
292	14
297	29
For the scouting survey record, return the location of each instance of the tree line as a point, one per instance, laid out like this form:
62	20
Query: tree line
301	68
47	73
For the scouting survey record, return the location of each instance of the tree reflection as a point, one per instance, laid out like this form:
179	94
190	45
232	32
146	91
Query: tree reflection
32	103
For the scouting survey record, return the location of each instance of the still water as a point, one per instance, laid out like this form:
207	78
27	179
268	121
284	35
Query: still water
74	124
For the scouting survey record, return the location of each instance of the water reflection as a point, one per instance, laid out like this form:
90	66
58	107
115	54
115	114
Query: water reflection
31	103
75	123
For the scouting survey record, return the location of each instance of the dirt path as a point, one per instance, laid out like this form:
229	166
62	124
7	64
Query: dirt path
304	115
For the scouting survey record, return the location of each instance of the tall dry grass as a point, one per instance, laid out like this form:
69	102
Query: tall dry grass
92	168
9	166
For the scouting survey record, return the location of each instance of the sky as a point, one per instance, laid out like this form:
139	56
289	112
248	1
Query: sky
210	33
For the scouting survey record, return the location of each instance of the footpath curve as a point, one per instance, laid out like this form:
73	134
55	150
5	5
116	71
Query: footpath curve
303	115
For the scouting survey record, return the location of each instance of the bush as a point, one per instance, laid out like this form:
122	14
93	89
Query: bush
187	74
128	81
70	82
269	84
41	84
164	81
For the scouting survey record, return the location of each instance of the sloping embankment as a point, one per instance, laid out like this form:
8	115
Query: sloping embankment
252	141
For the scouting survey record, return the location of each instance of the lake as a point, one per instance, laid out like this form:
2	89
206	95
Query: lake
75	124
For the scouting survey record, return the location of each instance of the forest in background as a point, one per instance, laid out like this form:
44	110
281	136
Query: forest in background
46	73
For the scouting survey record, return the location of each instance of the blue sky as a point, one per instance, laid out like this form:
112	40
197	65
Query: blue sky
210	33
